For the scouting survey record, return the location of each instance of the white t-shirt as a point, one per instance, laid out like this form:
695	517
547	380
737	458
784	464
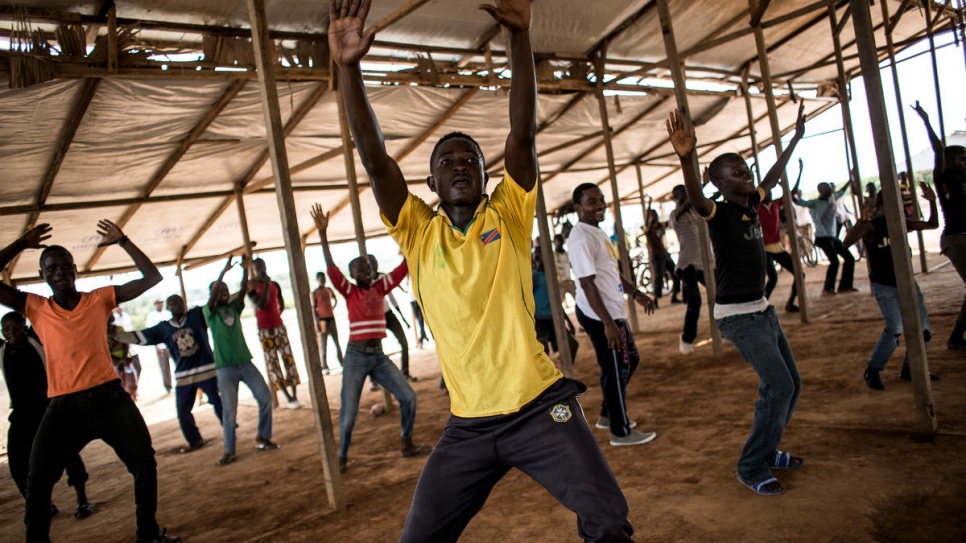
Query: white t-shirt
591	253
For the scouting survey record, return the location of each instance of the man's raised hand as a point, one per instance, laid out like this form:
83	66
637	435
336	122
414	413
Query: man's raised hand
110	231
36	236
800	122
682	139
321	219
348	42
927	191
512	14
921	112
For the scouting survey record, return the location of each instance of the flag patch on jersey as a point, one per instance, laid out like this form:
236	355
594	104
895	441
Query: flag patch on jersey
491	236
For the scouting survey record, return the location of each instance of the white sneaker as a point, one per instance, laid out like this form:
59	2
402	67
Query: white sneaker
295	404
684	346
603	423
633	438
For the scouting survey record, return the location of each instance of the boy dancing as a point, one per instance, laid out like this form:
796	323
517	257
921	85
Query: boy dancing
741	310
471	273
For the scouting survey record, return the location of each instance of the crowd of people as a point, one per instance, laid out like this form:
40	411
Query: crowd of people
483	295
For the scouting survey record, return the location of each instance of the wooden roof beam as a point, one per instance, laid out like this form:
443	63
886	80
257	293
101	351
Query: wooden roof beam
620	28
397	15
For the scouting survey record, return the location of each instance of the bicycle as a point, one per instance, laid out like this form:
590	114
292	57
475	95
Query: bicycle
806	247
641	270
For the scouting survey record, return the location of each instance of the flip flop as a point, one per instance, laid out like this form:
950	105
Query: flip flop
785	460
759	487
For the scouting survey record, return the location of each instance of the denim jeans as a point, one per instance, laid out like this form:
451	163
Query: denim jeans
760	340
228	379
356	366
104	412
888	299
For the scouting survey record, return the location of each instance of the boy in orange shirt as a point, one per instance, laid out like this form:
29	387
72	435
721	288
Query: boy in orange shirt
87	401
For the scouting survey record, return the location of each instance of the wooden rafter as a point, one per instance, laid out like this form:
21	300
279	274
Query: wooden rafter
396	16
620	28
173	159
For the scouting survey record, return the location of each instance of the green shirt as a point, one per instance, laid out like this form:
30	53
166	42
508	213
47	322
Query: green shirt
226	334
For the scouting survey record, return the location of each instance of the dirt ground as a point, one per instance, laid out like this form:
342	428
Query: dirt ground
868	477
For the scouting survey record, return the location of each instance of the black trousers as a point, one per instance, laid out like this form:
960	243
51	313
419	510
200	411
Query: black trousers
690	277
331	329
72	421
549	440
784	259
394	326
20	439
616	369
832	247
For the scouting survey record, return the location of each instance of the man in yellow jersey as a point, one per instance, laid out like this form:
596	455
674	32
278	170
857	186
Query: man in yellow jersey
470	265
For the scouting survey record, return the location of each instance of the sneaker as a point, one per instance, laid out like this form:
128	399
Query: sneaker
410	378
226	459
325	371
906	376
828	293
791	308
163	537
192	448
603	423
343	464
295	404
264	444
676	300
374	387
684	346
849	290
872	380
83	510
633	438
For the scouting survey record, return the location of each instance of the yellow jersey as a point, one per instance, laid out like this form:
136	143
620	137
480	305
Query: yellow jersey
475	288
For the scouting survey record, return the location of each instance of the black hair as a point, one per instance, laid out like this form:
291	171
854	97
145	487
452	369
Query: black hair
13	315
320	274
718	164
358	259
679	187
178	296
579	191
455	135
951	150
54	249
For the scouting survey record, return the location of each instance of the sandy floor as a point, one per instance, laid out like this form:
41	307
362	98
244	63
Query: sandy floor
868	476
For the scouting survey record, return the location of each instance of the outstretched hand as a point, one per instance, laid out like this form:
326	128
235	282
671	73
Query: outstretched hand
512	14
321	219
922	112
800	122
646	302
111	232
36	236
348	41
927	191
229	263
682	138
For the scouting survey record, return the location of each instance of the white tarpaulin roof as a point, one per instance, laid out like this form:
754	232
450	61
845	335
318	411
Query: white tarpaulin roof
138	118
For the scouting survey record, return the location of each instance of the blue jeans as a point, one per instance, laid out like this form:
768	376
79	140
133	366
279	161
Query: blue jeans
228	379
358	364
760	340
888	298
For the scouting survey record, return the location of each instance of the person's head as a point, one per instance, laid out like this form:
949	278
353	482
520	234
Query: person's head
258	268
558	243
320	277
457	171
824	190
955	158
218	292
903	178
679	193
870	188
729	173
361	271
159	305
536	261
176	306
14	327
652	216
57	268
589	203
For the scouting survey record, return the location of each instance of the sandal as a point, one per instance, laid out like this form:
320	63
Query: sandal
761	489
785	460
226	459
83	510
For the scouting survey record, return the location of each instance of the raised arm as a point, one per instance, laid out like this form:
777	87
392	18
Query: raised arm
33	239
228	265
243	287
933	221
261	299
775	173
938	148
798	180
521	150
862	227
683	141
151	276
348	43
322	224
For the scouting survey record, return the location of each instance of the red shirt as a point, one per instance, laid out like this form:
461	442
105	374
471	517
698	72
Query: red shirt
770	223
271	315
323	302
367	308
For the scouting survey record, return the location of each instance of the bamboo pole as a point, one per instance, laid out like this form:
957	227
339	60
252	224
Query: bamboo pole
777	143
890	47
179	271
895	218
707	260
553	286
931	34
625	260
265	62
751	123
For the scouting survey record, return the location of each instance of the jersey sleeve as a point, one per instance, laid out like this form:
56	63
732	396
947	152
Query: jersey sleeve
338	279
394	278
515	205
581	257
410	225
151	336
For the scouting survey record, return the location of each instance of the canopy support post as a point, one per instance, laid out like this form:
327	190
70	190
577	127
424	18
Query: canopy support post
553	285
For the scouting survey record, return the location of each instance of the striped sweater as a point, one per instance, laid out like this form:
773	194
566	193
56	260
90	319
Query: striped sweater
367	309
